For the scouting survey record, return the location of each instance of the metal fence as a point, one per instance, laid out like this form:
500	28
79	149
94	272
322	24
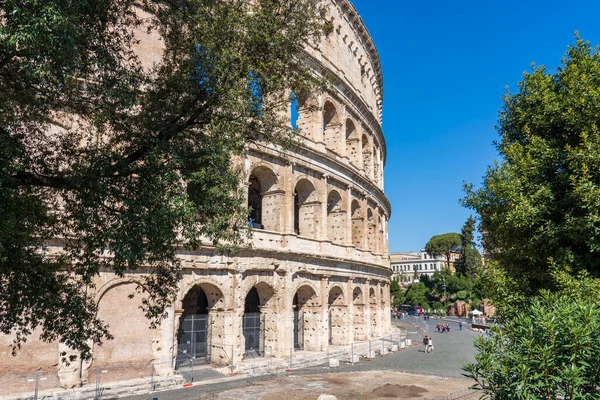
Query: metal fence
100	381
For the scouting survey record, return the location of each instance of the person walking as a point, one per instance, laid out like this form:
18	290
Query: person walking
460	325
429	347
425	342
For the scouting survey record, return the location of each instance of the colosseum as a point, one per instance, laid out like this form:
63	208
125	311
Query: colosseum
317	273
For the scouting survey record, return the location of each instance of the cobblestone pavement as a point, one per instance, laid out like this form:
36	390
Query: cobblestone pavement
452	351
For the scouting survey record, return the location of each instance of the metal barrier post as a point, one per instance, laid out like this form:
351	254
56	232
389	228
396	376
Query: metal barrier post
232	362
37	378
97	384
291	353
152	379
352	356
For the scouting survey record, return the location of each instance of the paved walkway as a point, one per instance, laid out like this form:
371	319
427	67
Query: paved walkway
452	351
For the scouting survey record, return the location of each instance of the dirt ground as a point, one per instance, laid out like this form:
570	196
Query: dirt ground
370	385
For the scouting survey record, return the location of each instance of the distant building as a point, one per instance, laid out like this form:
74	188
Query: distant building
407	267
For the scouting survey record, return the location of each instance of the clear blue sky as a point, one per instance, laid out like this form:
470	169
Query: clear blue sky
446	64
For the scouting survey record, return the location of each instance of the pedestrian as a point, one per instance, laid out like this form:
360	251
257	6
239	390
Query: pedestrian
438	326
460	324
448	328
429	348
425	342
251	222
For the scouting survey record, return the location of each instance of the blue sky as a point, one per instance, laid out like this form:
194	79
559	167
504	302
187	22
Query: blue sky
446	64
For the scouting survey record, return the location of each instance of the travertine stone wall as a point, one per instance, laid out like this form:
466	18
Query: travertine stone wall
318	259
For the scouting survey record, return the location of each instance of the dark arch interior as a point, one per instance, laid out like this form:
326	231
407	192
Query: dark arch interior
252	304
296	213
195	302
255	199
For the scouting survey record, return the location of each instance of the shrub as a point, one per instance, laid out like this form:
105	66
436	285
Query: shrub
550	351
437	306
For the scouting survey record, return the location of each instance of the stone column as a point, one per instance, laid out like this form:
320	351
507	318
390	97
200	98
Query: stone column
272	207
287	183
322	192
324	313
349	230
226	342
368	329
165	351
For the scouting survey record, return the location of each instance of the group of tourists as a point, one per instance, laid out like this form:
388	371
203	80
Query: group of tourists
442	327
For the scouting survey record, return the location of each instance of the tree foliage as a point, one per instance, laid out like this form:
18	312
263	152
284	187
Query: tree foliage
120	163
541	203
550	351
469	261
443	245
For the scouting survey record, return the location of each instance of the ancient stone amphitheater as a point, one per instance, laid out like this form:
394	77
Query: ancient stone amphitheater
318	271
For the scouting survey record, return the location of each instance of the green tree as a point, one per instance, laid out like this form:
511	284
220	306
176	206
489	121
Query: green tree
417	294
469	261
124	163
541	204
443	245
548	352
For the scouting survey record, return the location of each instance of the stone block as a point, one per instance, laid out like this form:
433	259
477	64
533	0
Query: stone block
327	397
334	362
384	351
403	344
394	347
371	354
409	342
354	358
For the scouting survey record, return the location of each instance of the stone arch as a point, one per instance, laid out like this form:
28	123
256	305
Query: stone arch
357	224
200	325
331	127
209	285
366	154
306	317
259	321
306	209
336	218
358	307
264	200
120	307
353	147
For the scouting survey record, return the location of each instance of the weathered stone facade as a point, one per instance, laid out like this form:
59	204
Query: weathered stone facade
318	271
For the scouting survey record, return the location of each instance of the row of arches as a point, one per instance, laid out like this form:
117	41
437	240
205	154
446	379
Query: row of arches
343	221
341	135
266	321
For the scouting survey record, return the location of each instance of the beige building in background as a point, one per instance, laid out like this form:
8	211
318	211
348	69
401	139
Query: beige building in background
318	272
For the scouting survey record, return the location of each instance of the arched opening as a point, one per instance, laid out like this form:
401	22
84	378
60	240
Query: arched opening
357	224
331	127
358	306
252	322
366	153
305	306
337	317
336	218
294	110
194	332
306	209
263	201
259	319
353	148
